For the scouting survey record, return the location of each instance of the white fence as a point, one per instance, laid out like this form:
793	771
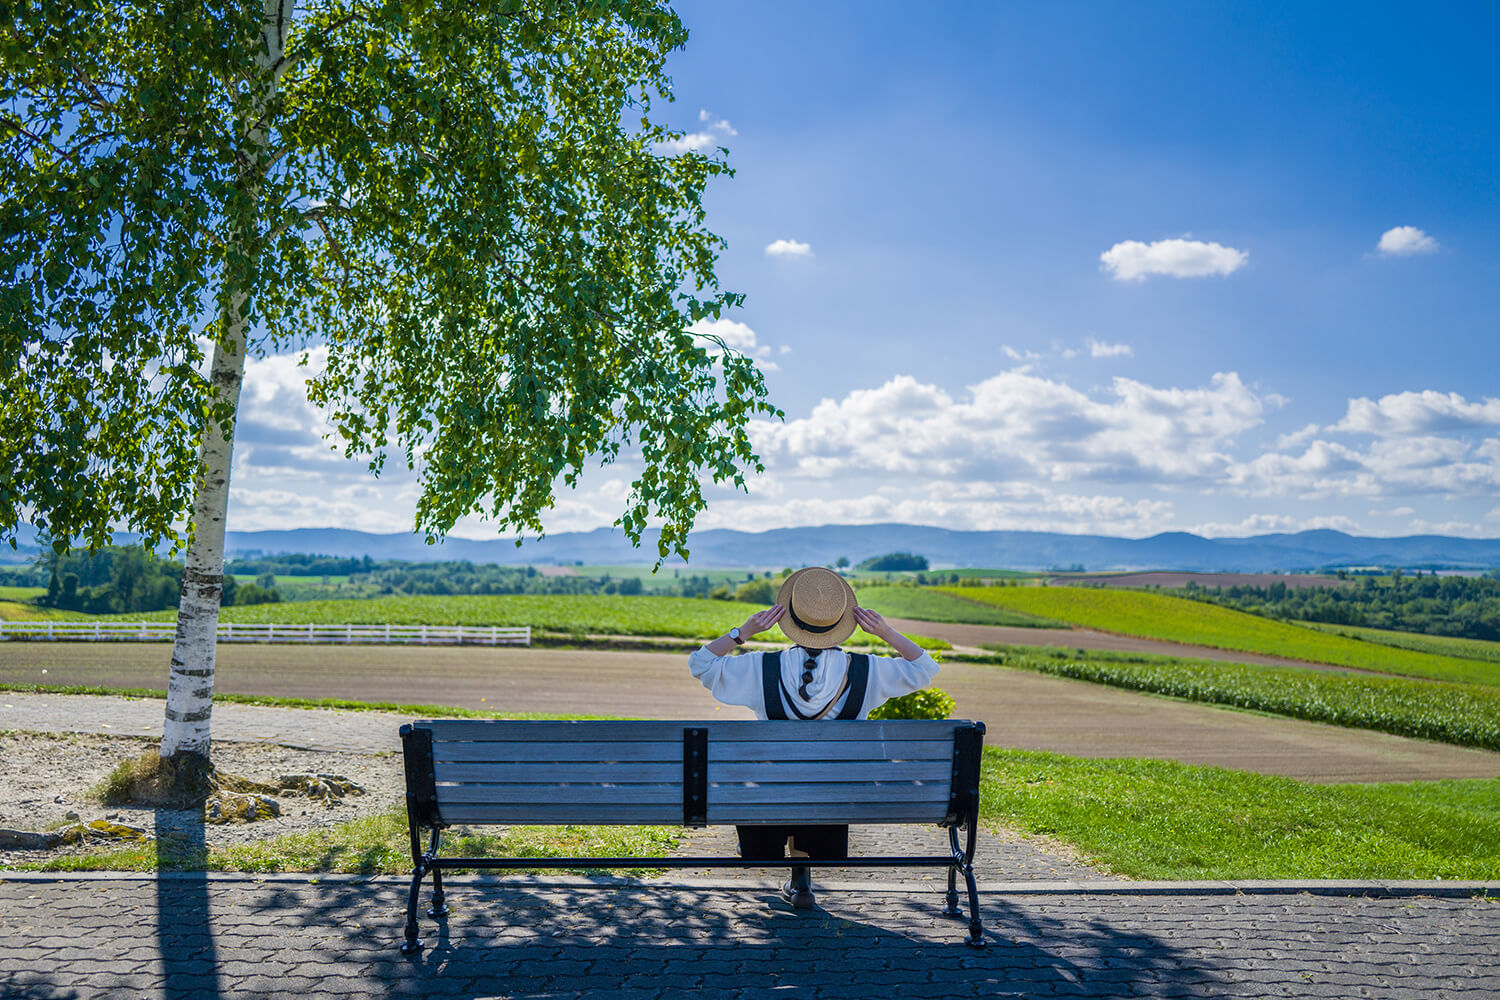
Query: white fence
424	635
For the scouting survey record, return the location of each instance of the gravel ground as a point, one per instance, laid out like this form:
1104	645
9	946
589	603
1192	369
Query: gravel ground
45	776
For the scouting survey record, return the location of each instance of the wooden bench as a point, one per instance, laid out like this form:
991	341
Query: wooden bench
690	774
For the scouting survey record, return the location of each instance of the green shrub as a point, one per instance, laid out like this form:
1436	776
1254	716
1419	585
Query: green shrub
928	703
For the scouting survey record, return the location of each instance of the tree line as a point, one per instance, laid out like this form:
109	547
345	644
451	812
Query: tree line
120	579
1463	606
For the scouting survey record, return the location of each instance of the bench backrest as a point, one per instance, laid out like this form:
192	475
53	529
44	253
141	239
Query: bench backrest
692	773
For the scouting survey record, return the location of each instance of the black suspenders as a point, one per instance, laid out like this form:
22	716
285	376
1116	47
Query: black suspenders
770	686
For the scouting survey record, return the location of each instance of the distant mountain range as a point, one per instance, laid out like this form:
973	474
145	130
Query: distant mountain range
1029	550
1033	550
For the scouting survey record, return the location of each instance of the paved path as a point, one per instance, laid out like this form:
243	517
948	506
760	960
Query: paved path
1022	709
209	936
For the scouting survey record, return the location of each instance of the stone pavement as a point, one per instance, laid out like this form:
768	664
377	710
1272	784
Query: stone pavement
199	936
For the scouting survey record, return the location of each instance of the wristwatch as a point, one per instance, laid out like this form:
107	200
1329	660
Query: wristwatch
734	634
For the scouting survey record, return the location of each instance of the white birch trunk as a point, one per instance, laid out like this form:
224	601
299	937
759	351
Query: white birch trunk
190	685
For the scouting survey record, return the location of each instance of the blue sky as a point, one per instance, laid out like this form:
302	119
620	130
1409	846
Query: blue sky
1081	267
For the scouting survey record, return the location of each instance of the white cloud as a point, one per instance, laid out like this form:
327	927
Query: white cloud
1422	526
1015	355
737	337
788	248
711	136
1099	349
1406	241
1295	438
693	141
1018	507
1177	258
721	125
1394	512
1426	412
1388	467
1261	524
1017	426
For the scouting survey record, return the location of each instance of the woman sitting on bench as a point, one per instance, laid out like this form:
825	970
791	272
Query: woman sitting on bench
814	679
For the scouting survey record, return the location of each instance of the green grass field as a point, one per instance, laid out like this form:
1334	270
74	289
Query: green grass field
1155	819
1441	645
1178	619
929	605
16	611
683	617
1461	714
21	593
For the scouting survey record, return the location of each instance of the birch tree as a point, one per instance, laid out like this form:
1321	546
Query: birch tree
467	203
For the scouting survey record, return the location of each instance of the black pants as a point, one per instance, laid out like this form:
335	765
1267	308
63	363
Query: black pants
766	843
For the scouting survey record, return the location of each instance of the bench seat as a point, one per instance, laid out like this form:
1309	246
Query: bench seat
500	772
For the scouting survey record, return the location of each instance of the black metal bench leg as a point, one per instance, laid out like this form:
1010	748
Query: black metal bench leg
439	908
413	944
976	929
952	910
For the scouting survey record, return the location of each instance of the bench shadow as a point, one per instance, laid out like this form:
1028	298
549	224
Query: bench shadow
526	941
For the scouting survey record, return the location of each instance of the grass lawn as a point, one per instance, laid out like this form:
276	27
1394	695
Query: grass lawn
929	605
1139	818
1461	714
1152	819
1178	619
1442	645
21	593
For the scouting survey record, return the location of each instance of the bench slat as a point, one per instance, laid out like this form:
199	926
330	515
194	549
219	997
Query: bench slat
827	812
834	771
533	772
595	731
553	814
505	751
603	797
794	797
851	750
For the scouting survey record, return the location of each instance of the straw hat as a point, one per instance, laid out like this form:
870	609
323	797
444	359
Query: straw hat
819	608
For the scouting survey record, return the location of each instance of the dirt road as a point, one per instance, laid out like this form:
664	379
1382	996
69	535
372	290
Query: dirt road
1022	709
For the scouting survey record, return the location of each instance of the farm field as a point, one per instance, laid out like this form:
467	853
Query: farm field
1178	619
680	617
1460	714
663	577
1175	580
1442	645
927	604
21	593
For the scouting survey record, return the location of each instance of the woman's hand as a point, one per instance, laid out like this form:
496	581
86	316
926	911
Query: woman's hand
761	621
873	623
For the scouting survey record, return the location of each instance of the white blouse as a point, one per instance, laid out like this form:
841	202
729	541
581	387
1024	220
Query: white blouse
735	680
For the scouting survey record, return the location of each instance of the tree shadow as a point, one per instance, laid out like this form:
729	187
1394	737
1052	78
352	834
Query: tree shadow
184	917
